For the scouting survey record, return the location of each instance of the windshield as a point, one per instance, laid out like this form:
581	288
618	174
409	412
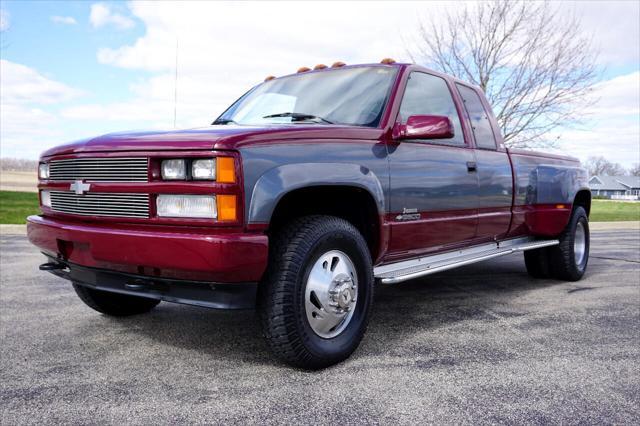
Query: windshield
351	96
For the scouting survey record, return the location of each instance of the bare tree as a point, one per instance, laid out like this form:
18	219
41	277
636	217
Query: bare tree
635	170
601	166
535	66
18	165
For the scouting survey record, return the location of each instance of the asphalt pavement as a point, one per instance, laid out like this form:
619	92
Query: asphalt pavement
481	344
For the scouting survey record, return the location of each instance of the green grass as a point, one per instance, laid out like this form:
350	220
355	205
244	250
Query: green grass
16	206
613	211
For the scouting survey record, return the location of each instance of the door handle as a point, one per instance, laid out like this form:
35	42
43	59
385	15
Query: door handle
472	167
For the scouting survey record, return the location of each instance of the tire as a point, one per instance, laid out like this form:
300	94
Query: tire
297	311
114	304
568	260
537	262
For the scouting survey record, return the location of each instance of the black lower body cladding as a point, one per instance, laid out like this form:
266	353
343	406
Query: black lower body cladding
198	293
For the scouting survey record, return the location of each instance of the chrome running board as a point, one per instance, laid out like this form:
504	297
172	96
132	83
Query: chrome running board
393	273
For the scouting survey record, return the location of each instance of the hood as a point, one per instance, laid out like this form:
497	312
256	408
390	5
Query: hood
213	137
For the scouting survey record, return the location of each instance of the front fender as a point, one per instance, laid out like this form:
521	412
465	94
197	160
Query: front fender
275	183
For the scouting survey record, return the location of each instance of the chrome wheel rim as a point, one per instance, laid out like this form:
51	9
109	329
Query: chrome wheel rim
579	243
331	294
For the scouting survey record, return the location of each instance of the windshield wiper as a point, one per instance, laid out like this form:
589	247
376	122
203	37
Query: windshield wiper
298	116
224	121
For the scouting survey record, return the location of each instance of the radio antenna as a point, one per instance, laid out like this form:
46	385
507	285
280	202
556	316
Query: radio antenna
175	90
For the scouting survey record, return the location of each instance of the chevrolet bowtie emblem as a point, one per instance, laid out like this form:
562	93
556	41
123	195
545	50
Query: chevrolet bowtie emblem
79	187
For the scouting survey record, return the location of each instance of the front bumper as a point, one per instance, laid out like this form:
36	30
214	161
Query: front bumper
153	251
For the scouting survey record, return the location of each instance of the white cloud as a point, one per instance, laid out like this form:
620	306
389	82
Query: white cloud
614	26
618	97
612	125
4	20
227	47
25	130
102	15
256	36
134	111
21	84
65	20
26	127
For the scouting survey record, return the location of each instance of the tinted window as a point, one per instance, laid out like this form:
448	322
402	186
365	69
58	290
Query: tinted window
479	118
427	94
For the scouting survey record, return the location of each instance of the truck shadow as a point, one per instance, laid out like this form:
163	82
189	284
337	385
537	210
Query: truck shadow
481	292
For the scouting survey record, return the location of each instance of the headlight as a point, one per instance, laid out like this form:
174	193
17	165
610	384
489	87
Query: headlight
43	171
45	198
196	206
204	169
174	169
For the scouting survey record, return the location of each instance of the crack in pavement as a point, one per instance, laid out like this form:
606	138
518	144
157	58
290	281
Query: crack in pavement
615	258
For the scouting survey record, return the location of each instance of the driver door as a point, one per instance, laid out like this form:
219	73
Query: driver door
434	184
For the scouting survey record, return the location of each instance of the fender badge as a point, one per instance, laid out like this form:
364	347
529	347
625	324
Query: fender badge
408	214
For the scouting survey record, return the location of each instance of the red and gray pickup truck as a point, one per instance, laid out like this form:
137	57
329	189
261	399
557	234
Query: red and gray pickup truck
302	195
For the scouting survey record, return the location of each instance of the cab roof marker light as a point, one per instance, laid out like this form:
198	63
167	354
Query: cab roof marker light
270	77
303	69
338	64
388	61
320	67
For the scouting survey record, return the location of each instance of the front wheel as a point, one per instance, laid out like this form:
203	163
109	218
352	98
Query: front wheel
568	260
316	297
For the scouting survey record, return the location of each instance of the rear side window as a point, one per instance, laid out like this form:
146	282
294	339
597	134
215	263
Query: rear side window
479	118
427	94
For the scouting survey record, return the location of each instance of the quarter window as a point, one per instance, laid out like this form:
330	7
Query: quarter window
427	94
479	118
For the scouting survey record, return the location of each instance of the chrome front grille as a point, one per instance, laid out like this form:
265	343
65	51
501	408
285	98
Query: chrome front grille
100	169
101	204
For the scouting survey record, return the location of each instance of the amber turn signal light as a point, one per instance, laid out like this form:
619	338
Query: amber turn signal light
226	170
226	205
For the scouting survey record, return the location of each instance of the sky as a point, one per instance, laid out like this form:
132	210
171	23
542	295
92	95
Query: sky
71	70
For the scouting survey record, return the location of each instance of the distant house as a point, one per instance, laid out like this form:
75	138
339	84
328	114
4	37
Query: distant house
616	187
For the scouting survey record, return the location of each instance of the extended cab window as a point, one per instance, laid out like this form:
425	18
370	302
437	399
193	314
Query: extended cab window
479	118
427	94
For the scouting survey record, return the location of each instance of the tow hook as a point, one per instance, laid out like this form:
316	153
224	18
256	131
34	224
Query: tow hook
53	266
136	285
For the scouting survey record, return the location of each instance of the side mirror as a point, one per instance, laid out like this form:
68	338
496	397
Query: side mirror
425	127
